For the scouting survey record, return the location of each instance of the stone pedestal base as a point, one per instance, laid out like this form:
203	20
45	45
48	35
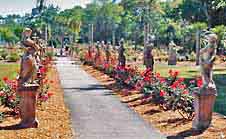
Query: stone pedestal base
172	60
203	104
28	106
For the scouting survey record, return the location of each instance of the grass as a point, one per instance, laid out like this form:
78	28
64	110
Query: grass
190	72
8	70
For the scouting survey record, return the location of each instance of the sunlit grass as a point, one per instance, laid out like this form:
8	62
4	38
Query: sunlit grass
8	70
186	71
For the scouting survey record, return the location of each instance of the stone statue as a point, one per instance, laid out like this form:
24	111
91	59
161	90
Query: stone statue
121	56
28	69
97	55
28	82
205	97
207	56
107	52
148	57
172	60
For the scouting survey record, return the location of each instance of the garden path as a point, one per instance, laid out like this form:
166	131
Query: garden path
95	112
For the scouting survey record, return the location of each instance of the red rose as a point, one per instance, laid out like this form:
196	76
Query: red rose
199	82
2	93
50	94
45	81
43	70
158	75
162	93
5	79
182	86
170	72
162	80
181	79
176	73
185	92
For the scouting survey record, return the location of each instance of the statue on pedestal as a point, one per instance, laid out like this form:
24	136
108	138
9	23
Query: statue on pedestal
121	56
28	82
205	97
97	53
107	52
207	57
172	60
148	57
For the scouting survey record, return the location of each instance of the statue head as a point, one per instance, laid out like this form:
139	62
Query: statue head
212	38
27	32
121	42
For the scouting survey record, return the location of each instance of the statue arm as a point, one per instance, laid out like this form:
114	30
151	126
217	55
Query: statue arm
30	42
213	56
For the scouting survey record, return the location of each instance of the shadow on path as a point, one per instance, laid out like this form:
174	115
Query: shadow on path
186	133
88	88
13	127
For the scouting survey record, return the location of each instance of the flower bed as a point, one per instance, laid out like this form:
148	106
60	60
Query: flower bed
171	93
53	116
9	99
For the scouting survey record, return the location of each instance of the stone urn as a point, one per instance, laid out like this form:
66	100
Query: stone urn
204	101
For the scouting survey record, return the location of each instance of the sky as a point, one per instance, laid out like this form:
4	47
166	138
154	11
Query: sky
24	6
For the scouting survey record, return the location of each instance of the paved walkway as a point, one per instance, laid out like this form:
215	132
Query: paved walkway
95	113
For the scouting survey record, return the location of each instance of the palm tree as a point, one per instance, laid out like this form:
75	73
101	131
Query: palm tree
40	5
147	7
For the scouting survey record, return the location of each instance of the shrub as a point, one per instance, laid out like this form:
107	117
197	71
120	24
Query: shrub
50	54
8	95
13	57
3	53
171	93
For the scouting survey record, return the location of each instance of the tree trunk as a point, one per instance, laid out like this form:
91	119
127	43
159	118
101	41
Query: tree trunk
197	47
209	19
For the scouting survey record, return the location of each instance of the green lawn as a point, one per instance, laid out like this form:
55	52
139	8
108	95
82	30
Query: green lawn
189	72
8	70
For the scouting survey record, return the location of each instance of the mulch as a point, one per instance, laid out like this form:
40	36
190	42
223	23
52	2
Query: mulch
53	116
169	123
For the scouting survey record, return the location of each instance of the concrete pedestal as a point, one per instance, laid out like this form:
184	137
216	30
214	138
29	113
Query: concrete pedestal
203	104
28	106
172	60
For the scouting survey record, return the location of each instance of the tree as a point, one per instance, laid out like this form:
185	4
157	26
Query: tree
7	35
208	11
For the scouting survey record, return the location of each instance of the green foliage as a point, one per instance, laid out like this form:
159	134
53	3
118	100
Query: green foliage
50	54
219	30
126	19
13	57
8	35
3	53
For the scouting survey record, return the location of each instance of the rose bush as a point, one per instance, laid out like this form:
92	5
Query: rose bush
170	93
9	97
